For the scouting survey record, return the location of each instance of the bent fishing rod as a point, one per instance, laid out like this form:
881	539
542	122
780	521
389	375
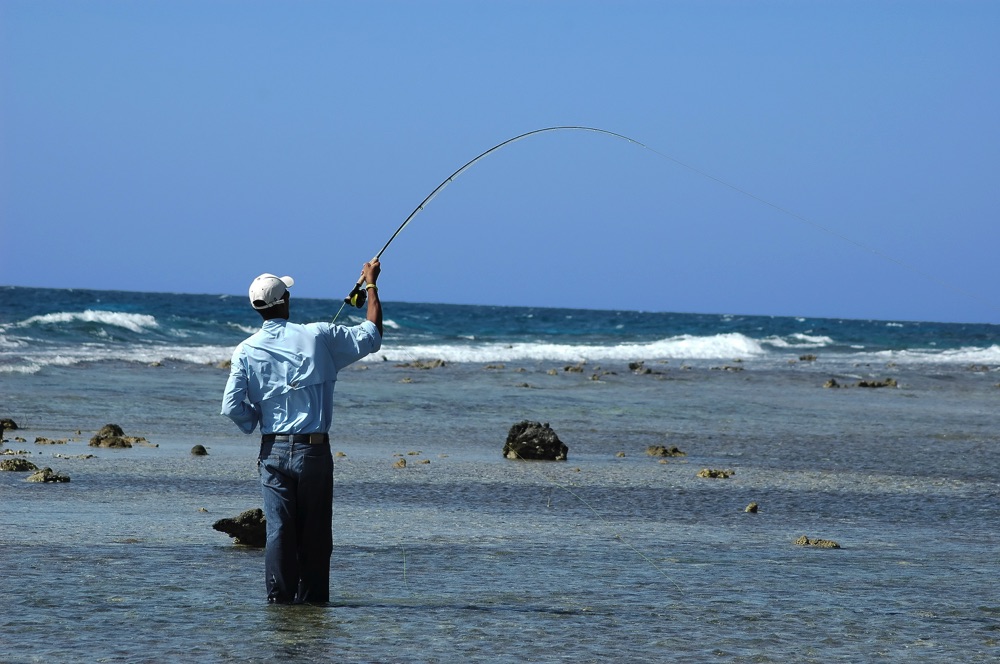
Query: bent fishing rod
357	297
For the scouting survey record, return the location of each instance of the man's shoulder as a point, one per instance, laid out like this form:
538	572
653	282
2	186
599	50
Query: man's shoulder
313	330
315	327
331	331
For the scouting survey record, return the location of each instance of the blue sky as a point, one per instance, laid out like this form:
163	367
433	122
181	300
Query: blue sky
188	146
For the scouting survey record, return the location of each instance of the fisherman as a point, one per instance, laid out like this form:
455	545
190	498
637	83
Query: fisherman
282	380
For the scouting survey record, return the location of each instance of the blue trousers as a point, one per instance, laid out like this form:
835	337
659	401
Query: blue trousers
296	481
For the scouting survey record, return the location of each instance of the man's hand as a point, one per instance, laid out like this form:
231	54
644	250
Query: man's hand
370	270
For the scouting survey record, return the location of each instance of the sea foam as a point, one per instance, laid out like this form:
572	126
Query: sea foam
133	322
720	346
971	355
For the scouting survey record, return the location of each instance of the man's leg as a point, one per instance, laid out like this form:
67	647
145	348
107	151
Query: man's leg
315	523
278	489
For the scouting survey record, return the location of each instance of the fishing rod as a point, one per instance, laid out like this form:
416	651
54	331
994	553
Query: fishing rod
357	297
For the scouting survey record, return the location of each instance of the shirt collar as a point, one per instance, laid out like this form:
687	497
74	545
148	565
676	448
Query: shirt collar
274	324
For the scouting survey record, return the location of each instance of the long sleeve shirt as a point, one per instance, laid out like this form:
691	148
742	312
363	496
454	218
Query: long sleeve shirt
282	377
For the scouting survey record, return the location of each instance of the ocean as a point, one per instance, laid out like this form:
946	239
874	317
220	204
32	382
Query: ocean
463	555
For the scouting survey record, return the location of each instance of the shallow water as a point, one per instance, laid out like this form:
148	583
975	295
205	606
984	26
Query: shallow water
474	557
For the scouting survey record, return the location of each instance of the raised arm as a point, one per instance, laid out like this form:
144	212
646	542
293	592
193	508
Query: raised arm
370	273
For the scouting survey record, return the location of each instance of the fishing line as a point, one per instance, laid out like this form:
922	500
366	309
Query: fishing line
357	295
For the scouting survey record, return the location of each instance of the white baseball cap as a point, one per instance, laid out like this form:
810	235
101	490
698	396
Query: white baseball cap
267	290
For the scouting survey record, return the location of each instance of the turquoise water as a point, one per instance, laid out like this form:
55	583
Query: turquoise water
474	557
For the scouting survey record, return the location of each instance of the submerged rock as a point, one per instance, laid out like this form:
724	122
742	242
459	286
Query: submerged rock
112	435
888	382
663	451
423	364
247	529
17	465
818	543
534	441
199	450
716	474
42	440
47	475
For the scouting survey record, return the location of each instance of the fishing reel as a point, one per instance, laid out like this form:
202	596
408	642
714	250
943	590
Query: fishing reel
358	296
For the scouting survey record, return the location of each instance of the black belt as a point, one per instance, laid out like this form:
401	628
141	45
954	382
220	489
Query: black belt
311	438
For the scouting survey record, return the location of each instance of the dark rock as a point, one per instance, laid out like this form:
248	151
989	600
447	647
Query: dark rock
111	435
831	383
888	382
422	364
199	450
17	465
534	441
247	529
715	474
807	358
47	475
8	424
662	451
818	543
752	508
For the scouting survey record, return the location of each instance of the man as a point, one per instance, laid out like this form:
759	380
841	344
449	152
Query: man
282	379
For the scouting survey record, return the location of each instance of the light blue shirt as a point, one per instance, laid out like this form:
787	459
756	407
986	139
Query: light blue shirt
282	377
